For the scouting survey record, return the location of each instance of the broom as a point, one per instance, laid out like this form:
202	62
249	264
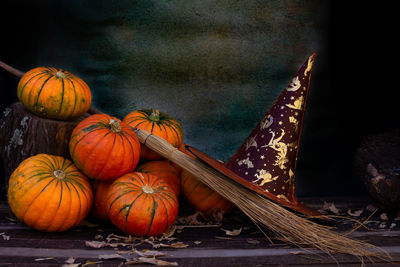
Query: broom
286	225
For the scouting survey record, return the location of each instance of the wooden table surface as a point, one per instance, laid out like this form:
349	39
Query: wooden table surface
195	245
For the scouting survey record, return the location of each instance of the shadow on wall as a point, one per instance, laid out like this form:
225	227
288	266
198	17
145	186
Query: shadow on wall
215	66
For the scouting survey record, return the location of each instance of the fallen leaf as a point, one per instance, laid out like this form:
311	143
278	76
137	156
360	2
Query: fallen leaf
178	245
223	237
154	261
88	262
96	244
356	213
4	236
98	237
197	242
70	260
382	225
150	253
384	217
234	232
252	241
330	207
71	265
110	256
44	259
393	225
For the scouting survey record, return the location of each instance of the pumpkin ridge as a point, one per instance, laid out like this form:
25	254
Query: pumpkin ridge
109	154
118	197
124	134
23	86
69	210
80	203
75	95
62	96
92	151
40	91
142	182
166	215
34	199
194	188
167	196
153	213
129	210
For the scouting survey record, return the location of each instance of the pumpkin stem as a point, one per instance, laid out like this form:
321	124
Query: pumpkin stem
147	189
115	126
155	115
59	174
60	74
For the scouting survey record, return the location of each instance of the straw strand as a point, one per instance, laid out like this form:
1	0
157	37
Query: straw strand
286	225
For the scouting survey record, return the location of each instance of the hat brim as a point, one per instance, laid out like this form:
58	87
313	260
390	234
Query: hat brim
221	168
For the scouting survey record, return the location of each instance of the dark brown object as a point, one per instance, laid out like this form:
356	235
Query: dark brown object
23	134
377	165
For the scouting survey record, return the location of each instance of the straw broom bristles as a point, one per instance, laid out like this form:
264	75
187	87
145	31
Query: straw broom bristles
286	225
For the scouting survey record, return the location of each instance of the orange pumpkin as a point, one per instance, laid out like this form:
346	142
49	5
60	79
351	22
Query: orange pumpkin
199	196
164	170
49	193
54	93
104	148
100	190
157	123
141	204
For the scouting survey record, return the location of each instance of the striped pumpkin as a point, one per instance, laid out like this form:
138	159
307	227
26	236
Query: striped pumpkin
54	93
164	170
141	204
49	193
157	123
199	196
104	148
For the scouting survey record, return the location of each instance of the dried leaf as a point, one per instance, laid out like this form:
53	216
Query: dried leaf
234	232
4	236
150	253
96	244
356	213
179	245
223	237
88	262
98	237
393	225
384	217
154	261
110	256
44	259
70	260
197	242
252	241
330	207
71	265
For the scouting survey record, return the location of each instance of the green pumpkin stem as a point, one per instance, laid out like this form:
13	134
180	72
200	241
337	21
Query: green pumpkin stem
155	115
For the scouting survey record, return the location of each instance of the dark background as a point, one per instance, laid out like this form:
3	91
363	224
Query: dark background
217	66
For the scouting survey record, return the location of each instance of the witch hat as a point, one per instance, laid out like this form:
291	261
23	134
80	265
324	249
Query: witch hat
266	162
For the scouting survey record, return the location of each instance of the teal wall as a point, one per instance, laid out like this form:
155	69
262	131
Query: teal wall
216	66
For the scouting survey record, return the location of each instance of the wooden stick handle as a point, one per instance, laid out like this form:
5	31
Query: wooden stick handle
11	70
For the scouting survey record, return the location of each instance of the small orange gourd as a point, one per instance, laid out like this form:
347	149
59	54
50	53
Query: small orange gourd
157	123
49	193
54	93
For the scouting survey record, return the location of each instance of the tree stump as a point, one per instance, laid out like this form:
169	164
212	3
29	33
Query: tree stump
377	164
23	134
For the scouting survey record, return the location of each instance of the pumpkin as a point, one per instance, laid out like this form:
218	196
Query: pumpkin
164	170
157	123
141	204
54	93
199	196
104	148
49	193
100	190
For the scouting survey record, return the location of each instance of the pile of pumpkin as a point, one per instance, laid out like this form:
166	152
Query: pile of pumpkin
111	175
